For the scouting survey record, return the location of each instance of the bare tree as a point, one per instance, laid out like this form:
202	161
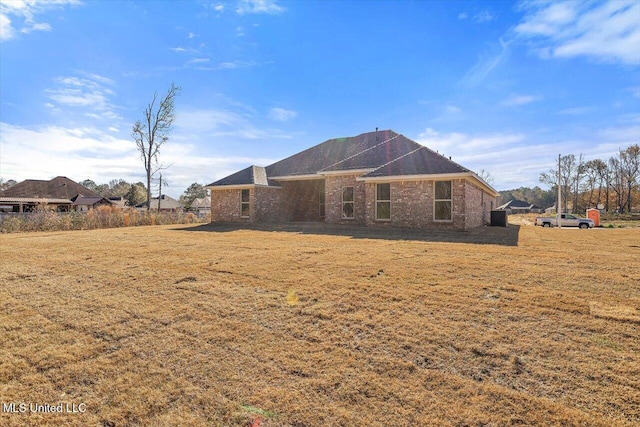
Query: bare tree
486	177
630	169
616	181
568	176
151	133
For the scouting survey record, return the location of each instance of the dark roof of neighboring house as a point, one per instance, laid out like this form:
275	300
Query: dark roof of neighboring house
166	202
518	204
386	152
59	187
90	201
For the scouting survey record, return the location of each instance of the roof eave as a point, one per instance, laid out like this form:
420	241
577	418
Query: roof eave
346	172
239	187
439	176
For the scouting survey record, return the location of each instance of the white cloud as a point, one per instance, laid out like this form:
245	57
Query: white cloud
517	100
575	111
259	6
82	153
607	31
635	91
218	7
482	17
453	109
23	13
281	114
486	64
479	17
191	35
178	49
198	61
89	92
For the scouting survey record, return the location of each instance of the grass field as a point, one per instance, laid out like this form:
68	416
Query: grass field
202	325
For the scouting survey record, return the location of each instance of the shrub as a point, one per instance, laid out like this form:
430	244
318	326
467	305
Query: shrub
102	217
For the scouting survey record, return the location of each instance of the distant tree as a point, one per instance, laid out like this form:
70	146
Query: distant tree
486	176
137	194
118	188
91	185
630	169
569	175
195	191
4	185
152	132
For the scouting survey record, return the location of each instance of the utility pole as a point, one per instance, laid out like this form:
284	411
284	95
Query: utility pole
160	192
559	209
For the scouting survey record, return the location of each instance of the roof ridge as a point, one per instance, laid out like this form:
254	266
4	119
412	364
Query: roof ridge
398	158
363	151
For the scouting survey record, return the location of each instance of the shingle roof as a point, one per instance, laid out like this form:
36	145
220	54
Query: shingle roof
328	154
90	201
421	161
251	175
386	151
166	202
518	204
59	187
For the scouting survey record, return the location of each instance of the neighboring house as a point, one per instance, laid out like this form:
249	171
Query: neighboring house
378	178
60	194
119	202
86	203
201	206
520	206
164	204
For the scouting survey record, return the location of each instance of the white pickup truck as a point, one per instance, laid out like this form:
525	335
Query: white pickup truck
566	220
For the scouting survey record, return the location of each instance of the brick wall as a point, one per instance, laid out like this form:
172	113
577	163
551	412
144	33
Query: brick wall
333	199
477	205
225	206
302	200
268	205
412	205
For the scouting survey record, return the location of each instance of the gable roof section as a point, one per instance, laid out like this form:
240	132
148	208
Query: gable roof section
518	204
166	202
90	200
327	154
420	161
377	155
59	187
252	175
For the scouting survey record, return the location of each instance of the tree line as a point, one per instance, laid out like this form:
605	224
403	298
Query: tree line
134	193
613	183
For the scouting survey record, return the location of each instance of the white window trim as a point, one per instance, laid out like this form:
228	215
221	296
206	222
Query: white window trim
376	203
442	200
247	203
321	204
353	202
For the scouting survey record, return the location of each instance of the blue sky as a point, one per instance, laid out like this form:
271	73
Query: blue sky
498	86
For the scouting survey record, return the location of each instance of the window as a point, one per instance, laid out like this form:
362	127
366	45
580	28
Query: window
244	203
442	201
383	202
347	203
321	203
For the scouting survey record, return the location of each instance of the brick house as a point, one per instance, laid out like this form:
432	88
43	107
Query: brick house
375	179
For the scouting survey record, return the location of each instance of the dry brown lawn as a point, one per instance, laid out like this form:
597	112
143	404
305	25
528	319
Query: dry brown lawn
202	325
